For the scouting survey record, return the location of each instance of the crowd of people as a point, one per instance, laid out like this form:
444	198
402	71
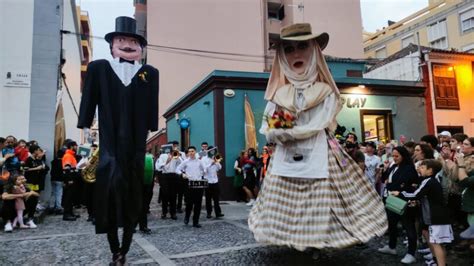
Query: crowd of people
432	175
24	168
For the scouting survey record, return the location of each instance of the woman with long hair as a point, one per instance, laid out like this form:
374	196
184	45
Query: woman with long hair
401	176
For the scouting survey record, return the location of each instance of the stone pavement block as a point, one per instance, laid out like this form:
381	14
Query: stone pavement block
183	239
79	250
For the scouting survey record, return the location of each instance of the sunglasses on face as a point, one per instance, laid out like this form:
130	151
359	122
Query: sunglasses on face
289	48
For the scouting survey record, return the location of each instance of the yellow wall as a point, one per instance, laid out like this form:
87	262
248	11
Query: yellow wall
455	38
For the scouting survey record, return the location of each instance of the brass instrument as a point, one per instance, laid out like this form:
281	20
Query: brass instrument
88	173
218	158
175	154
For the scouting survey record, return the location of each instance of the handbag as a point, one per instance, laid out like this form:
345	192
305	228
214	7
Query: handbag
396	205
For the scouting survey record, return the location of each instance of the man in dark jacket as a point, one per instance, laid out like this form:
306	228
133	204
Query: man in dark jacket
126	93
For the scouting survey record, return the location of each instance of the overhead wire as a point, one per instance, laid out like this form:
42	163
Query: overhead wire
208	53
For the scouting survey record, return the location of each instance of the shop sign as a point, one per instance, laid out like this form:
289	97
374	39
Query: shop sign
354	101
17	79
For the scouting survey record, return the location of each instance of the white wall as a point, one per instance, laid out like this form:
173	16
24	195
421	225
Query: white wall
16	37
72	70
405	68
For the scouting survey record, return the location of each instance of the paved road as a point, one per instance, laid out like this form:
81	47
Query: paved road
219	242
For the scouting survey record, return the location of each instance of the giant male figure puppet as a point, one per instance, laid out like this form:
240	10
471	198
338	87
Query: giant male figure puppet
126	93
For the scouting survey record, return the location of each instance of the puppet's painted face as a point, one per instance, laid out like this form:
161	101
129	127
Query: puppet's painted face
298	55
127	48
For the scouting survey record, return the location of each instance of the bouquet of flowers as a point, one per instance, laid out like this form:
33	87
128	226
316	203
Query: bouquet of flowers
281	119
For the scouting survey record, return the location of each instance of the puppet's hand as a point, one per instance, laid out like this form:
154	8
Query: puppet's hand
279	135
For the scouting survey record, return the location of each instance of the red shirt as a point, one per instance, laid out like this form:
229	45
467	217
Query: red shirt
22	153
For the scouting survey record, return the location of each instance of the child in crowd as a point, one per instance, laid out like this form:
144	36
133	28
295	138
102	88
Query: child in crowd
19	182
21	151
434	212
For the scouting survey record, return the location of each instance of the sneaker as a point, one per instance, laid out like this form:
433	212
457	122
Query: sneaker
251	202
387	250
468	233
424	250
8	227
31	224
428	256
431	263
408	259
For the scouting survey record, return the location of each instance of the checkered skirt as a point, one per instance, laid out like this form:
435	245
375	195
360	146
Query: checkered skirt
335	212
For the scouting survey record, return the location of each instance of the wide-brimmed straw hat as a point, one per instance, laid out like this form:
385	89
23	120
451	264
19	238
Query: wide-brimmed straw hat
303	32
125	26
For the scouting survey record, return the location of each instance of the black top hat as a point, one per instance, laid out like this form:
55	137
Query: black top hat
125	26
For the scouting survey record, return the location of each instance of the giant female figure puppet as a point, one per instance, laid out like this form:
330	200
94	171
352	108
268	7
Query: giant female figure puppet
126	94
315	195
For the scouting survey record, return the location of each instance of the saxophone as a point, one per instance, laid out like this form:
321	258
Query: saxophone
88	173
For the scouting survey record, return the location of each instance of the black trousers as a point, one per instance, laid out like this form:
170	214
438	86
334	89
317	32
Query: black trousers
78	197
89	198
408	223
194	203
169	184
8	210
180	191
68	198
212	195
147	196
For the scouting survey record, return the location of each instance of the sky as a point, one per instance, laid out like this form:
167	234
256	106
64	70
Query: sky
102	13
376	13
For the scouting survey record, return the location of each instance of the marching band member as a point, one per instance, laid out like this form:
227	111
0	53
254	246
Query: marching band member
169	183
212	191
193	170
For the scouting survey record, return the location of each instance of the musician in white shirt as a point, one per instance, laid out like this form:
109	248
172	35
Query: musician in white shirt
212	166
193	170
169	182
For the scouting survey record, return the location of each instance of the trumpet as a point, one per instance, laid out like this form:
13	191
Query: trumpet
175	154
218	158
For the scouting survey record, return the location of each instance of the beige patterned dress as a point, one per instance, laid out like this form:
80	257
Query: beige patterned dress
335	209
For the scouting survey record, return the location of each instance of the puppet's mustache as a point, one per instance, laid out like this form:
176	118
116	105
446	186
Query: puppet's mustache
127	49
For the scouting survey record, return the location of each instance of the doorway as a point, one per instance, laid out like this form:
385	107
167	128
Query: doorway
376	125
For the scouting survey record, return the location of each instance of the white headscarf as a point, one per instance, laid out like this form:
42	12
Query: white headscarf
304	80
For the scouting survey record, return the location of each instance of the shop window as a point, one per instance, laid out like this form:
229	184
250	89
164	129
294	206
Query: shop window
354	73
276	10
445	89
438	35
376	125
467	20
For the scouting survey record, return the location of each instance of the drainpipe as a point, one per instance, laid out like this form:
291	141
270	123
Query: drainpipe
425	78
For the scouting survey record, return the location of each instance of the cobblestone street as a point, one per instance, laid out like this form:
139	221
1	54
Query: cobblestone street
225	241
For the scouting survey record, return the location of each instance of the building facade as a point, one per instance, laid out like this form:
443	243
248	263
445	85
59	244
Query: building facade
213	111
443	25
449	77
188	40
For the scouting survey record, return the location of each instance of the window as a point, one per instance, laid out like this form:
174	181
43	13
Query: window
376	125
468	48
381	52
445	89
407	40
467	20
276	11
438	35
